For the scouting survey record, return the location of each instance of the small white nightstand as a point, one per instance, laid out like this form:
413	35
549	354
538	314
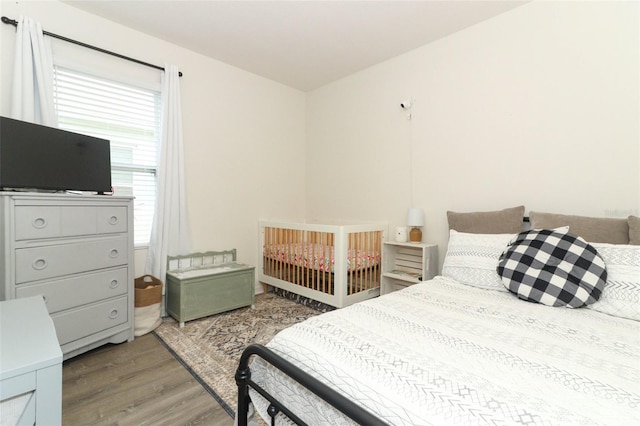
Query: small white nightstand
405	264
30	364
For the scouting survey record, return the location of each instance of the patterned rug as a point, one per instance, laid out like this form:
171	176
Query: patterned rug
210	347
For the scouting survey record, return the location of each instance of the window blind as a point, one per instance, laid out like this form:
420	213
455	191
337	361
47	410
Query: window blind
129	117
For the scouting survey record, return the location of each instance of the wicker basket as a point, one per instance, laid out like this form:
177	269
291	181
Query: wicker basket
148	298
148	291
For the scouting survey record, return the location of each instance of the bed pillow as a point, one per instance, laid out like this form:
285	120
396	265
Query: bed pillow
634	230
471	259
592	229
553	268
507	221
621	294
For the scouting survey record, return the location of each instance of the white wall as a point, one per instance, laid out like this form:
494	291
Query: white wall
239	128
538	106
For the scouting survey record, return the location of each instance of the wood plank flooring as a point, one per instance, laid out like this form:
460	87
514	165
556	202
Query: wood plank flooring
135	383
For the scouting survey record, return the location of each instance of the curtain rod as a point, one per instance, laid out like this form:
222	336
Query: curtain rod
79	43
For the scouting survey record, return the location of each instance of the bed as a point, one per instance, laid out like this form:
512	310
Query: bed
459	349
335	264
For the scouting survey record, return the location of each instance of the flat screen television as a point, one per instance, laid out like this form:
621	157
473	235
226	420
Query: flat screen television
35	157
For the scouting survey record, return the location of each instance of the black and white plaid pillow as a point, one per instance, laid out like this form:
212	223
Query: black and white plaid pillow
553	268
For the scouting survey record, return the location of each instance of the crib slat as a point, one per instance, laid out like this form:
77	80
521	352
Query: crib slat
324	252
310	270
354	266
290	248
284	253
365	276
296	266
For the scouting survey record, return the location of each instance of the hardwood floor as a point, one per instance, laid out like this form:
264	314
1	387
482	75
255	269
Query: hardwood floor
135	383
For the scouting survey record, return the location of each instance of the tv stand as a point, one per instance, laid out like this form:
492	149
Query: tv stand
76	251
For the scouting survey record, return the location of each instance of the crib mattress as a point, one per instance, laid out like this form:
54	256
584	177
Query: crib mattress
319	257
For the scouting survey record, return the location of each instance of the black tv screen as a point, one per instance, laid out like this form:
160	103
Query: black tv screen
35	157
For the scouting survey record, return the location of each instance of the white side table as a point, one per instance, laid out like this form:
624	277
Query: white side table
405	264
30	361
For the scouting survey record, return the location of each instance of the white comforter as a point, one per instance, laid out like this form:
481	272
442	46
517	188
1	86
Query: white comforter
445	353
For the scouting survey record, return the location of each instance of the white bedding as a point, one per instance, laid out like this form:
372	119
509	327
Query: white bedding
444	353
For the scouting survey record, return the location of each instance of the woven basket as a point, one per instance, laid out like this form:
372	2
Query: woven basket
148	299
148	291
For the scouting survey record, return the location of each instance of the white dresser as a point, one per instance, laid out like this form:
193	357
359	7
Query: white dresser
77	252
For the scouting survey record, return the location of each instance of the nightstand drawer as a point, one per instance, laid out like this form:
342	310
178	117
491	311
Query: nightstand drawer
78	290
36	222
87	320
44	262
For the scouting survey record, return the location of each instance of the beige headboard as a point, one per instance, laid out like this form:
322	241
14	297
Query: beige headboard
592	229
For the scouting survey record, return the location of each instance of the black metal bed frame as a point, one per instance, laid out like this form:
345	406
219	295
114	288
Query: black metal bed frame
333	398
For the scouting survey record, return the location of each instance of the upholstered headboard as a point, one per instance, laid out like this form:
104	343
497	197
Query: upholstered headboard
507	221
592	229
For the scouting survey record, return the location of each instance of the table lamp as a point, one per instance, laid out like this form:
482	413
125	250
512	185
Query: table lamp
415	219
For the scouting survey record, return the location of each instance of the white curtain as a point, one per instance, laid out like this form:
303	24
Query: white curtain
32	91
170	232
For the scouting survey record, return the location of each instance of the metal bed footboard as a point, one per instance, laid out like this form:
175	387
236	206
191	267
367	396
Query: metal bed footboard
333	398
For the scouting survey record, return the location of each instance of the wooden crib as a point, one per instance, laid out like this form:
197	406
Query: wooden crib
334	264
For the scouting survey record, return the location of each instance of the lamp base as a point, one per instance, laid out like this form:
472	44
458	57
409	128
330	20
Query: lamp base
415	236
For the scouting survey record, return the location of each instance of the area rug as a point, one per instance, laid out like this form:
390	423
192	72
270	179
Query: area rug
210	347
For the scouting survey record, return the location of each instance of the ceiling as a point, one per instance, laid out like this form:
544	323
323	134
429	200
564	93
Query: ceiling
302	44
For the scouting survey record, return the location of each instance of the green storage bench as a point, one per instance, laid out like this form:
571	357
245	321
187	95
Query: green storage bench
203	284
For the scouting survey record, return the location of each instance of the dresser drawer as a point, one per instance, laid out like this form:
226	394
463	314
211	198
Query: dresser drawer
79	290
17	385
34	222
38	263
84	321
111	220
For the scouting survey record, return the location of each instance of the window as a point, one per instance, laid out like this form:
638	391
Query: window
129	117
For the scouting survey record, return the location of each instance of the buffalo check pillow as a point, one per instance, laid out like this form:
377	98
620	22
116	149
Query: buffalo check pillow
552	267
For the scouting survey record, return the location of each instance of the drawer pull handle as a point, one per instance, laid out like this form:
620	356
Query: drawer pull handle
113	284
113	314
39	222
113	220
39	264
113	253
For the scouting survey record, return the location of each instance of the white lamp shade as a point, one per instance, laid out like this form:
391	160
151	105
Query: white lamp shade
415	217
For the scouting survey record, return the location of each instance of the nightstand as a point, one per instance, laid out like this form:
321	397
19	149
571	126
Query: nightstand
405	264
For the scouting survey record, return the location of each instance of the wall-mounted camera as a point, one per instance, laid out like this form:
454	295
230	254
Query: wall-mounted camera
405	105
